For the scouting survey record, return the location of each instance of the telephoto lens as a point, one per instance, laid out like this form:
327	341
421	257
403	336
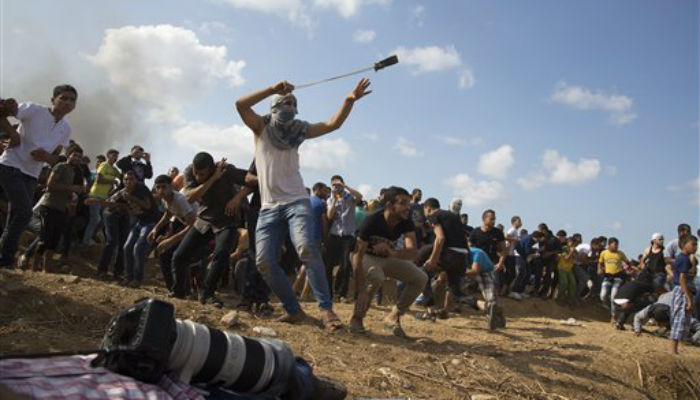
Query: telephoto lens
145	341
202	354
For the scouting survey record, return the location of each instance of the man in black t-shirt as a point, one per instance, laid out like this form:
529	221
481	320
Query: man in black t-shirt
445	252
215	187
376	256
492	241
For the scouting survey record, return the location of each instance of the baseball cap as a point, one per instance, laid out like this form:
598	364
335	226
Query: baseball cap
657	236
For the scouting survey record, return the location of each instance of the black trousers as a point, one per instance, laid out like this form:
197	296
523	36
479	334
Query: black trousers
338	249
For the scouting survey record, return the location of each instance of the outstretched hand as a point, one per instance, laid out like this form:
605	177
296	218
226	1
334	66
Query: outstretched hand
283	88
360	90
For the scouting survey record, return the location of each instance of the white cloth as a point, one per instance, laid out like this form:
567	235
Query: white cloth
279	177
513	233
179	207
673	249
38	129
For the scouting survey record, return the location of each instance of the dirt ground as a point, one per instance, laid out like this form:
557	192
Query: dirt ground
536	357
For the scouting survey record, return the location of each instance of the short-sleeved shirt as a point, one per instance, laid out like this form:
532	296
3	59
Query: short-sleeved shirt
318	209
375	229
487	241
479	257
211	213
141	192
101	190
513	233
64	174
343	223
612	261
564	264
179	207
38	129
682	265
452	226
672	249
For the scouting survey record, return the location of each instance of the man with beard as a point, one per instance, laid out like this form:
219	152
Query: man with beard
377	257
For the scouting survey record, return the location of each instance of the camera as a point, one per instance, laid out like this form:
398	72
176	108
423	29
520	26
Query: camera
146	341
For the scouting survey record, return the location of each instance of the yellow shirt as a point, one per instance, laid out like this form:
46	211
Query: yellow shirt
612	261
564	264
101	190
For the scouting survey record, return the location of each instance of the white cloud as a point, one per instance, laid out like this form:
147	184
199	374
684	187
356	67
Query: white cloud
615	226
348	8
466	79
418	15
557	169
578	97
325	154
364	35
429	58
495	164
212	27
301	12
475	193
372	137
456	141
407	148
164	66
234	142
366	190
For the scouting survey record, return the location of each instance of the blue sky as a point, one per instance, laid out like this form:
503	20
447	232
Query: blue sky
580	114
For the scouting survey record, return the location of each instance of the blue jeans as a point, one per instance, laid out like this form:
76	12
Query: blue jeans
273	225
191	247
136	249
95	219
116	231
19	189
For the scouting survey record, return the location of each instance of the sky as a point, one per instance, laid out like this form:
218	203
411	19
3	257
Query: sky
584	115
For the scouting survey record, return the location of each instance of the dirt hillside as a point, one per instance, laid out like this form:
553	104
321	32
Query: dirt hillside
536	357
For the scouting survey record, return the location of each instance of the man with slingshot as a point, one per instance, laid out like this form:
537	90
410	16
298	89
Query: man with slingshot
285	202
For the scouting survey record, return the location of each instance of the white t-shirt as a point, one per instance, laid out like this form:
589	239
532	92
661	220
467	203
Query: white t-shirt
513	233
279	177
38	130
179	207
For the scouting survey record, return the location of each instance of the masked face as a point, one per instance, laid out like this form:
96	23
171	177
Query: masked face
285	108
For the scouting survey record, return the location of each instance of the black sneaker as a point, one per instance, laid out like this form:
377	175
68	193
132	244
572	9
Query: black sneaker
620	327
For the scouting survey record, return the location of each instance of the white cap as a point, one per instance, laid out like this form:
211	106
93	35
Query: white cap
657	235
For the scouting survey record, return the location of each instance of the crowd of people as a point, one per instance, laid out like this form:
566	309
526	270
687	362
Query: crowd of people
261	231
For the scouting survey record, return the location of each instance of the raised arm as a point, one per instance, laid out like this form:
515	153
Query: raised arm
245	104
336	121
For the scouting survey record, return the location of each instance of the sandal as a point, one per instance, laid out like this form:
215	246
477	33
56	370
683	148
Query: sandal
396	330
292	318
264	310
332	323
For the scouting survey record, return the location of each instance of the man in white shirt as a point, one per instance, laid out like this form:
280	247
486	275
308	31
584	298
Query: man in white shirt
285	203
42	134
